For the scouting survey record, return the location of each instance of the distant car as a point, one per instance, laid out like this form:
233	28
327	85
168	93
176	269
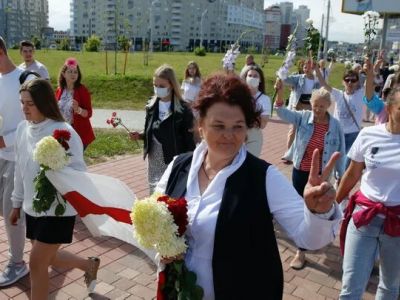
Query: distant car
53	46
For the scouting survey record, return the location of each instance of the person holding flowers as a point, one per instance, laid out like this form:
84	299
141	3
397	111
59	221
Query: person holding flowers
231	198
46	228
168	129
74	100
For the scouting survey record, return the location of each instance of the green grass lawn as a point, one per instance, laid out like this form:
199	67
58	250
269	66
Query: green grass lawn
132	90
110	143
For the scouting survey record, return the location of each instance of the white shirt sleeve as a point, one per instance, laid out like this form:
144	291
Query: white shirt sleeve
264	104
307	230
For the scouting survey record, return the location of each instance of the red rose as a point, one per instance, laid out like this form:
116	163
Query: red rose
61	134
114	114
108	121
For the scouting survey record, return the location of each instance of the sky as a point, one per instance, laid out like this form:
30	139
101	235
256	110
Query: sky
343	27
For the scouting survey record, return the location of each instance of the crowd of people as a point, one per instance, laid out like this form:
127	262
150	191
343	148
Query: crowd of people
202	140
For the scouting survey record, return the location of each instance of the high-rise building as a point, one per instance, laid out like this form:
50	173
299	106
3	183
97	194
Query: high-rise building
22	19
302	13
183	24
286	12
273	27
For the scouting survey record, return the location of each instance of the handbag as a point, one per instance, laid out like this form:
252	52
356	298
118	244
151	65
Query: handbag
351	113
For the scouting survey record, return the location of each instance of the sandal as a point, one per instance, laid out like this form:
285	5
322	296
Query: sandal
91	275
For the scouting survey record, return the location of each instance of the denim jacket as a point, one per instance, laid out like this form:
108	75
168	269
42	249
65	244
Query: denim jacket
303	121
297	83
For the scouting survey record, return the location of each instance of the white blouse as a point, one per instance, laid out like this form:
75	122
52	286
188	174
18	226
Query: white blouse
306	229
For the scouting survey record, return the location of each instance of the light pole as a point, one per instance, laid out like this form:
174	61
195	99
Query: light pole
151	24
203	14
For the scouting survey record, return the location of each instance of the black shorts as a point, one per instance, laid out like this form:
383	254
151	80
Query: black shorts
50	230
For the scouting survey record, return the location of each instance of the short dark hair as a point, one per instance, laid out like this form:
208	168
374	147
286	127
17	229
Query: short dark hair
3	45
261	85
229	89
62	83
26	43
43	96
350	73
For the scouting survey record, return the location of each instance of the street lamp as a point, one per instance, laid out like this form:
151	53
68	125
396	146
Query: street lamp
152	24
201	26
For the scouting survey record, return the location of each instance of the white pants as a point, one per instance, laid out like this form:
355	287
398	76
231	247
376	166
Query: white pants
254	141
15	234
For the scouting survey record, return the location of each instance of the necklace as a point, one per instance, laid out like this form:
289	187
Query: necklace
205	173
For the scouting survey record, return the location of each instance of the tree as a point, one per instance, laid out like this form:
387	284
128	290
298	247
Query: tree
36	42
93	44
64	44
123	43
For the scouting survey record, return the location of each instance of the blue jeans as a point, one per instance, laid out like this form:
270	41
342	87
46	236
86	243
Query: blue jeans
349	139
361	247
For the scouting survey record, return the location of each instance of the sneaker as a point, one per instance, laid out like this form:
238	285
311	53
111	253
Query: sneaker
13	273
91	274
299	260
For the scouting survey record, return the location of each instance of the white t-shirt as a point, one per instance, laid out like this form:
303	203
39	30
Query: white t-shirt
341	112
10	111
263	104
37	67
163	109
308	86
190	89
380	151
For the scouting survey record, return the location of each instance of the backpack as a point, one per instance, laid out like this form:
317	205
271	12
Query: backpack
24	75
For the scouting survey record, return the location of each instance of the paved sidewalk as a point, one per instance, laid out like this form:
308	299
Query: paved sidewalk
126	273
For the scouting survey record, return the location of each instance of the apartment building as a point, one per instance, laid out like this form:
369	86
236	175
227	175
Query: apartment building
182	24
22	19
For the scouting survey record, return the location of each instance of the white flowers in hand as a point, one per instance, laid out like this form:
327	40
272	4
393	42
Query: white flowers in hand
371	14
50	153
309	21
1	122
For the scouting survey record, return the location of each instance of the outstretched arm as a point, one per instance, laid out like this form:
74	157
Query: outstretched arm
321	79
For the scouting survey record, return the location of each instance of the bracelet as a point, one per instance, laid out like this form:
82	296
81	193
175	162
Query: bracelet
80	110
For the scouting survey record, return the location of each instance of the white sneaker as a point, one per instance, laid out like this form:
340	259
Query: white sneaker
13	273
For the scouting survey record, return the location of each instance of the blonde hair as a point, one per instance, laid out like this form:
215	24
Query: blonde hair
321	93
167	73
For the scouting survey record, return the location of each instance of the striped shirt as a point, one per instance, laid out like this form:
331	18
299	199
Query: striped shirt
316	142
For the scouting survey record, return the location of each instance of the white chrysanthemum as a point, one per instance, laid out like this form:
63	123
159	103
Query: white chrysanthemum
309	21
50	153
154	227
1	122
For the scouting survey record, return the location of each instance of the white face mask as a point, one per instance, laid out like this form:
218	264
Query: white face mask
161	92
253	81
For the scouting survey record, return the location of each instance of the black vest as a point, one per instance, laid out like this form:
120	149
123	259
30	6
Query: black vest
245	243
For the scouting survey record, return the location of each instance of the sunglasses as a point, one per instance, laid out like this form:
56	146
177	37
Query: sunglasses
352	80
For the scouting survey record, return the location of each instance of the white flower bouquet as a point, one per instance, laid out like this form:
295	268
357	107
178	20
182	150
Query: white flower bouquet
159	223
371	20
51	154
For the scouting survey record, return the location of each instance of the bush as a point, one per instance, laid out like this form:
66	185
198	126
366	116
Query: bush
93	44
200	51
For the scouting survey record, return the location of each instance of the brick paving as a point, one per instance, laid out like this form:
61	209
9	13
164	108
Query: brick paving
126	273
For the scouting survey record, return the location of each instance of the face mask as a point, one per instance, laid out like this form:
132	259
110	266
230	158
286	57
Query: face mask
161	92
253	81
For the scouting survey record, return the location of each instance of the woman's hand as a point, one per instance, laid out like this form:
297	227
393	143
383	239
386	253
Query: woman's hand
14	216
75	105
134	135
279	89
319	194
168	260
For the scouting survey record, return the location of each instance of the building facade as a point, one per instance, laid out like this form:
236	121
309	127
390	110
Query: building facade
273	27
22	19
180	24
301	14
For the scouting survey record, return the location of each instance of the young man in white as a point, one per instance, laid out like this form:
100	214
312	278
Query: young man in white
11	113
27	51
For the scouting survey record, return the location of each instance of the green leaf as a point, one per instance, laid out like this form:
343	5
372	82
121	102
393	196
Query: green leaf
60	209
